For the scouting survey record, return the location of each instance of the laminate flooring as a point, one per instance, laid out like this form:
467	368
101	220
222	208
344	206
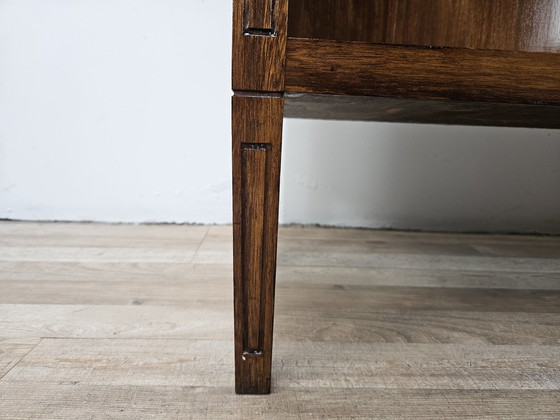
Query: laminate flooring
103	321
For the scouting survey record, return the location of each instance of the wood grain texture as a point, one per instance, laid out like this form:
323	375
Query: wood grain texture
115	321
410	277
422	366
100	254
15	233
259	44
297	323
410	325
497	57
33	242
424	111
139	273
71	400
207	284
133	284
69	378
356	68
516	25
330	365
359	257
254	170
259	15
468	330
395	238
216	247
128	361
257	140
12	350
364	298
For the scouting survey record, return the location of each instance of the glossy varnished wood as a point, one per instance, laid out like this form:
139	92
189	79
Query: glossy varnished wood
429	111
258	16
259	44
469	61
357	68
257	139
515	25
258	70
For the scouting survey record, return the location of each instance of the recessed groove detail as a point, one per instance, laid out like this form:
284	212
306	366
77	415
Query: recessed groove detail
258	17
254	162
259	45
258	94
257	141
259	32
252	353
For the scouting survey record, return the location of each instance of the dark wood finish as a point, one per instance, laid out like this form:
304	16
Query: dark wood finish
259	16
404	110
259	44
258	63
356	68
484	62
516	25
257	138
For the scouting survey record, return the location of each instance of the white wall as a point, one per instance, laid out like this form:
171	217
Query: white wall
115	110
118	110
422	176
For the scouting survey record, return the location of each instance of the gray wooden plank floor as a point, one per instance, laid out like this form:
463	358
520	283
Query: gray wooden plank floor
129	322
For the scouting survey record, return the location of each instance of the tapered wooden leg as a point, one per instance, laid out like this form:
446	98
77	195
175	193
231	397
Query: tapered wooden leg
257	138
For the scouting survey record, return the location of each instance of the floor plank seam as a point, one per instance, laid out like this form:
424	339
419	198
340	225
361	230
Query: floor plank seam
432	331
199	246
21	358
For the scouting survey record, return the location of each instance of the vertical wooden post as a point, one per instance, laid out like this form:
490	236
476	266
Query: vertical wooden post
257	142
259	53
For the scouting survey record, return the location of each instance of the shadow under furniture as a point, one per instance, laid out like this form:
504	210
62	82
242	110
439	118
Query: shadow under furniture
468	62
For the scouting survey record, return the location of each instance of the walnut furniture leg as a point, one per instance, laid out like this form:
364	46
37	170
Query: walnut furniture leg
257	137
258	72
